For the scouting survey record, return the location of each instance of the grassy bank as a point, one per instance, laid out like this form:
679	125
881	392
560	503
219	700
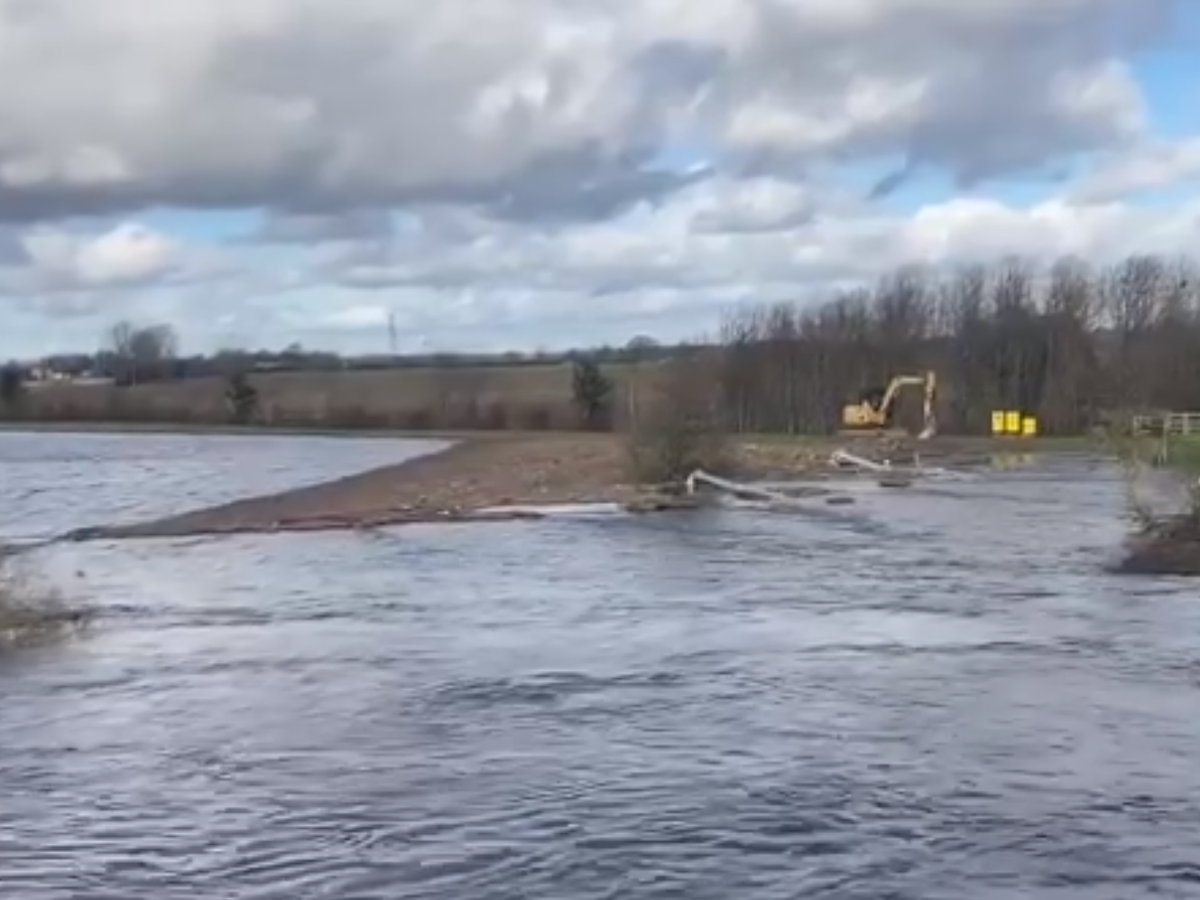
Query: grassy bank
1183	455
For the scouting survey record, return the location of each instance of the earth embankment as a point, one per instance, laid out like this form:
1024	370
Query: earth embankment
500	477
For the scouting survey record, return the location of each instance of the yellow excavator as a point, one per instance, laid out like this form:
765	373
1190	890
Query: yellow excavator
876	408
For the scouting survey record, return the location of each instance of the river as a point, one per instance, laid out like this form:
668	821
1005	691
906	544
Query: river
936	693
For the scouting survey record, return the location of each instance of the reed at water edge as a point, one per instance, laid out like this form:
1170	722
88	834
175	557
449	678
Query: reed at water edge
1164	542
32	613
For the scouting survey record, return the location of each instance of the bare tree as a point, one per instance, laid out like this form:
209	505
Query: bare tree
142	353
1063	344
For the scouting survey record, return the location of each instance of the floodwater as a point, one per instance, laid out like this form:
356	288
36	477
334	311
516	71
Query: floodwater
52	483
935	693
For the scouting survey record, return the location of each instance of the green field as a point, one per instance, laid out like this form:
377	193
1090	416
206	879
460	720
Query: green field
1183	453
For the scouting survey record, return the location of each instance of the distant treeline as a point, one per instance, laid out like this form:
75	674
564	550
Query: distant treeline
142	354
1068	343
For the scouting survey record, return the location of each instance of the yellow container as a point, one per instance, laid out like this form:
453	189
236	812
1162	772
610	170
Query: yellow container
997	422
1029	427
1012	422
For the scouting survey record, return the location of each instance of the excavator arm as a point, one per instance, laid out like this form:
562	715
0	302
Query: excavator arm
893	391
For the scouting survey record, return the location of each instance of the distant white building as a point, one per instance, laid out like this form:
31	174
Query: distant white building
43	373
40	375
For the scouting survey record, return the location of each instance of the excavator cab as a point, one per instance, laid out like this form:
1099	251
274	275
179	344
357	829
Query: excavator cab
873	397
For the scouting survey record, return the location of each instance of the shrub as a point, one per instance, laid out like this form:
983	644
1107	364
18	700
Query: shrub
592	391
1164	543
30	614
678	429
12	388
242	399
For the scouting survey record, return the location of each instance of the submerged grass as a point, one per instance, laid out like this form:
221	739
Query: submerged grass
31	613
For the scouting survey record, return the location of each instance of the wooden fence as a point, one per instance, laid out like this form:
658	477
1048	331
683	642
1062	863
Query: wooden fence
1167	424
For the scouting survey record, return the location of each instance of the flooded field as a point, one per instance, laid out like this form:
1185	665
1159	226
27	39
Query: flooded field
51	483
935	693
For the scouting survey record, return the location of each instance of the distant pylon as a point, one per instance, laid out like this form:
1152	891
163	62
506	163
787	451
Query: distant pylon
392	333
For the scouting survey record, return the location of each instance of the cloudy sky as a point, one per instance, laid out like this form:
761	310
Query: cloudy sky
524	173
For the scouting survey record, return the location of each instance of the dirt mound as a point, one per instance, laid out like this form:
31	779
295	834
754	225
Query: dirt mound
1168	546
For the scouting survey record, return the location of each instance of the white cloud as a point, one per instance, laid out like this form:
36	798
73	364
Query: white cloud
702	239
1155	165
286	102
673	270
129	254
523	143
372	315
669	269
63	271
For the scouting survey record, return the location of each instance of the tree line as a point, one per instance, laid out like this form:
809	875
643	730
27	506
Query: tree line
1069	343
133	353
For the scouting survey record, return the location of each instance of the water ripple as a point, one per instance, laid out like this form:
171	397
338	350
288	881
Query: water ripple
937	695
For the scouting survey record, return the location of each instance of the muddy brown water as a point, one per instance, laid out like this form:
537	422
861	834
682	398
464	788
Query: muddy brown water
934	693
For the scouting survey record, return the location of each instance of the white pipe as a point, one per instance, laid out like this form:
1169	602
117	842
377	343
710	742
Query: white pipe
917	470
841	457
733	487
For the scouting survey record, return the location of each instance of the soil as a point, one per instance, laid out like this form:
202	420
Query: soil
492	477
462	482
